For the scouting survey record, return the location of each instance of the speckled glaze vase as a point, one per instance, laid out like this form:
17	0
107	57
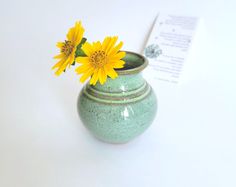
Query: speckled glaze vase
122	108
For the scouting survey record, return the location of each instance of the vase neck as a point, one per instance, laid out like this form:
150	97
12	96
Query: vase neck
123	83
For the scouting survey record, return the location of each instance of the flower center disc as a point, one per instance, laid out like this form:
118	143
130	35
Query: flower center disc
98	59
67	48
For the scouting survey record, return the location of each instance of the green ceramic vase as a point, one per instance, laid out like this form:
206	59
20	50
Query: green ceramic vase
122	108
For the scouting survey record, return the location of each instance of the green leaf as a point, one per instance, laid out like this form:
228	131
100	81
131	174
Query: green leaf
79	51
82	42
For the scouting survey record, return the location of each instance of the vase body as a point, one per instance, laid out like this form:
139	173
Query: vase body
122	108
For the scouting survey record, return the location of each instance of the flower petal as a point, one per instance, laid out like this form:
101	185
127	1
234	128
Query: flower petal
105	43
70	34
118	56
94	78
75	33
97	46
111	72
79	34
58	64
100	76
83	68
82	60
71	60
86	75
61	55
104	75
87	48
118	64
115	49
62	67
60	44
111	44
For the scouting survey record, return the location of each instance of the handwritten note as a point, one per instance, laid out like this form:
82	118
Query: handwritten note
168	46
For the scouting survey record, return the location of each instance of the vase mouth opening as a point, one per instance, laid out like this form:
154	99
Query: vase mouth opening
134	63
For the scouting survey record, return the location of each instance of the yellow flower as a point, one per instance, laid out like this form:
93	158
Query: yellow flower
101	60
68	48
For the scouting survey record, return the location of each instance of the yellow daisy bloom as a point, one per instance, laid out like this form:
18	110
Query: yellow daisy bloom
101	60
68	48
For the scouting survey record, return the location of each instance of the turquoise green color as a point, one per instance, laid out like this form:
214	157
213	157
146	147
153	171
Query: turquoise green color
122	108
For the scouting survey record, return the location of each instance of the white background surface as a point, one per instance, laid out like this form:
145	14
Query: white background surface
192	142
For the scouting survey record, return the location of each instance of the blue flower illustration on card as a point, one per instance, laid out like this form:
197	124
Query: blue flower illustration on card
152	51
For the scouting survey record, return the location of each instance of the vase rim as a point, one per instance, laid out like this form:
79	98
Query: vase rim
134	70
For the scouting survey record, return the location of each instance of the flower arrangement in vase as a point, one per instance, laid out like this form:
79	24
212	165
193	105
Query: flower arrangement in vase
117	104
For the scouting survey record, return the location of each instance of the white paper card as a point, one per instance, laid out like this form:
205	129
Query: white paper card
168	46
